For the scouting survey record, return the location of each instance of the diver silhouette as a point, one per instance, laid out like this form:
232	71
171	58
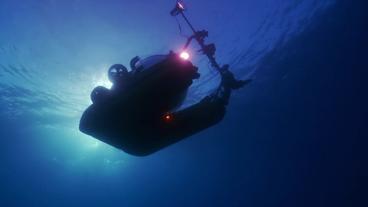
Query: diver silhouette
140	115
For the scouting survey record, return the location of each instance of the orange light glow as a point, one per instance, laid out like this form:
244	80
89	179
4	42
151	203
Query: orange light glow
168	117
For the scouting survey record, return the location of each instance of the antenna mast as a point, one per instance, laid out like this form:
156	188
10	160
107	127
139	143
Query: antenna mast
207	49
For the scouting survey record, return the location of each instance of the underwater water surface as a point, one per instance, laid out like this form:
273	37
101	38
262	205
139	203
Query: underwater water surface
291	138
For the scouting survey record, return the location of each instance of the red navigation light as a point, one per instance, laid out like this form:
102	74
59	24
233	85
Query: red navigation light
184	55
168	118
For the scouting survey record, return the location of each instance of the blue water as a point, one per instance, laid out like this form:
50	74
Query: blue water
294	137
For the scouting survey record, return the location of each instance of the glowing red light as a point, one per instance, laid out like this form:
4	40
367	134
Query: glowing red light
184	55
168	118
